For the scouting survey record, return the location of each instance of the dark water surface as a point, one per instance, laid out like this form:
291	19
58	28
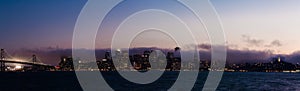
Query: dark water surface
67	81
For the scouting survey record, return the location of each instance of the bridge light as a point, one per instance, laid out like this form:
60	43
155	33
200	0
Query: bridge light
18	67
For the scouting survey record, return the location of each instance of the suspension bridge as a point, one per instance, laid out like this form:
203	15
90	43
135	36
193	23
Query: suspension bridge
33	61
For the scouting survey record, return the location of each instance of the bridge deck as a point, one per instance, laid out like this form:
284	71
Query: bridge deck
27	63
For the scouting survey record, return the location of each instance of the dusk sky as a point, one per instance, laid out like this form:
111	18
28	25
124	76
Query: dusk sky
262	25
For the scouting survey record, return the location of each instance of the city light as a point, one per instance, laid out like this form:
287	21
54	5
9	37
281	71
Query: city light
18	67
118	50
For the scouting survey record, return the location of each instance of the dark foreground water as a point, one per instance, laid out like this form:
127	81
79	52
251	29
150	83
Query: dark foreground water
67	81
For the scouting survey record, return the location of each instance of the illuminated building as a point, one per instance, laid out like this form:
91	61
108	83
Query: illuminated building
66	64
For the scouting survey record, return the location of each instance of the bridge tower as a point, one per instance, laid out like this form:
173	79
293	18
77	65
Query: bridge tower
34	60
2	58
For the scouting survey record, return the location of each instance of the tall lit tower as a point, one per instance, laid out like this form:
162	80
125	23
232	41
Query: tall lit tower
177	52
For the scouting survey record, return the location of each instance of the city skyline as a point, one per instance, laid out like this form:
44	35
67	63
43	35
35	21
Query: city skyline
142	59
